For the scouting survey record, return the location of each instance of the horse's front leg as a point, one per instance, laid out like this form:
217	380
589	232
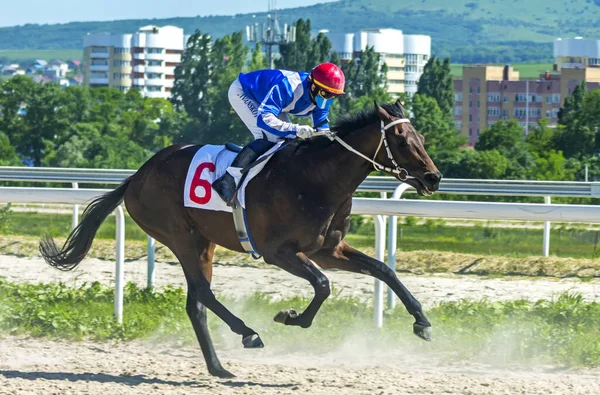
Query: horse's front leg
344	257
291	260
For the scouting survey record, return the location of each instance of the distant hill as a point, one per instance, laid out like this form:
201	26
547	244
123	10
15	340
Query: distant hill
468	30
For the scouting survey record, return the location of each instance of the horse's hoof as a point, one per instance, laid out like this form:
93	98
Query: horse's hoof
252	341
284	315
221	373
424	332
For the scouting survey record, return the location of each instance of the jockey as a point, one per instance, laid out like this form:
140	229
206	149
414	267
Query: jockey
264	98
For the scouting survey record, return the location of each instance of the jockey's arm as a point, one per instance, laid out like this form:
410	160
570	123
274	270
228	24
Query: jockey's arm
269	111
319	118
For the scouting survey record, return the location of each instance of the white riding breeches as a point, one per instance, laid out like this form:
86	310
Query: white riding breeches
247	109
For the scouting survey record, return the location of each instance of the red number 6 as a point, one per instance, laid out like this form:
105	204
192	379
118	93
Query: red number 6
197	182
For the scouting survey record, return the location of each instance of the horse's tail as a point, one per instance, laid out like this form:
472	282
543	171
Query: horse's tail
80	240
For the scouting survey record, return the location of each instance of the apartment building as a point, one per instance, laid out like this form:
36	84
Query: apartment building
144	60
486	94
405	55
576	52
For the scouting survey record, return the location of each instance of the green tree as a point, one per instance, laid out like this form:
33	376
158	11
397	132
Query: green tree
572	106
192	77
507	137
305	52
258	60
437	82
228	58
429	119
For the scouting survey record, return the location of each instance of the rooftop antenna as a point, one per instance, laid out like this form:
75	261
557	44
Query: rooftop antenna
269	33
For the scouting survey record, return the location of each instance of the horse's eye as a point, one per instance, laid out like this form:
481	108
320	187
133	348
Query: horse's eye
402	142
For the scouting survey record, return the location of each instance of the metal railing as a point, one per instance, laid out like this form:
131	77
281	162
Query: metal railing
371	184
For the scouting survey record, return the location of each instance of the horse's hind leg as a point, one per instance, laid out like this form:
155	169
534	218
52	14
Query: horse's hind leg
296	263
344	257
195	254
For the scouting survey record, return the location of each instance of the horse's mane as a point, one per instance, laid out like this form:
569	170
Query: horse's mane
350	123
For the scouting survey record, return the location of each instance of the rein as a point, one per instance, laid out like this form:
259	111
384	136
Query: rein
400	171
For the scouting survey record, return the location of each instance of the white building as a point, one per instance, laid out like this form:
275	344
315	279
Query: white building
145	60
576	52
405	55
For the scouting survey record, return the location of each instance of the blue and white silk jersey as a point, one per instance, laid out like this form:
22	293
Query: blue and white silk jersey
281	91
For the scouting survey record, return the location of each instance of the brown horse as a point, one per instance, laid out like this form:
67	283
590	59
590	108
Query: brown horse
298	211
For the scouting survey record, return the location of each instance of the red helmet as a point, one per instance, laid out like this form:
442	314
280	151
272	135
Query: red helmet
329	77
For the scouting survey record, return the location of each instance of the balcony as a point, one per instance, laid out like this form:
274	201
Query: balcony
140	56
139	82
154	56
139	68
98	80
99	55
154	82
155	69
99	67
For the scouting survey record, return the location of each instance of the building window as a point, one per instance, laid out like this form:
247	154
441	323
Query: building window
396	82
470	132
494	97
493	111
478	131
470	103
425	57
153	76
411	69
556	98
555	113
478	89
395	68
504	114
595	61
548	114
520	97
119	50
458	97
120	63
470	89
120	76
478	104
154	62
458	125
505	99
154	88
548	99
470	118
458	110
99	50
154	50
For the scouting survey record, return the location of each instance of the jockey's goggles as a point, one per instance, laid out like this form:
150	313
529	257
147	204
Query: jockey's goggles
325	94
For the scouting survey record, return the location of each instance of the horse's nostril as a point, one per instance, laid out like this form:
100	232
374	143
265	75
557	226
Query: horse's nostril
433	178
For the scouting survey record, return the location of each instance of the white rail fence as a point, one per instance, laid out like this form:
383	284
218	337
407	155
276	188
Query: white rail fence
379	208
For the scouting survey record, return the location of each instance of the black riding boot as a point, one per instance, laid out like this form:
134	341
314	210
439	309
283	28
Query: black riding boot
225	185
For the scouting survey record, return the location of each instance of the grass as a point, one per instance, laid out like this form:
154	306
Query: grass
32	54
478	239
560	331
526	70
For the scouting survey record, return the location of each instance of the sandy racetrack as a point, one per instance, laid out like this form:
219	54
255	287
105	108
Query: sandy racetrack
40	366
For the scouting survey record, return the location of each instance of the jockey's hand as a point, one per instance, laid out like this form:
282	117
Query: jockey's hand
305	131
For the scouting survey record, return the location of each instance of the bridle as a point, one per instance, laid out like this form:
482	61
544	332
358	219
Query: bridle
400	171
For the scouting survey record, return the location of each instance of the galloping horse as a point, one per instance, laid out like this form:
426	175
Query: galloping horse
298	211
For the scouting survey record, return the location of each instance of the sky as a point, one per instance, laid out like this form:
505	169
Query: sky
62	11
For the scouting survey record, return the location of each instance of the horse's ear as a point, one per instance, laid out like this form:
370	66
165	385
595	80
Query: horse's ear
380	111
400	107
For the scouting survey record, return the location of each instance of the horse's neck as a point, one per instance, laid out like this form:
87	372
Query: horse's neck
341	170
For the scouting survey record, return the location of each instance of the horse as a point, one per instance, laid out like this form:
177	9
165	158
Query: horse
298	212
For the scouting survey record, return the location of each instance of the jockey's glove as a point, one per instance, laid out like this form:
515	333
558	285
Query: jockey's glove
304	131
